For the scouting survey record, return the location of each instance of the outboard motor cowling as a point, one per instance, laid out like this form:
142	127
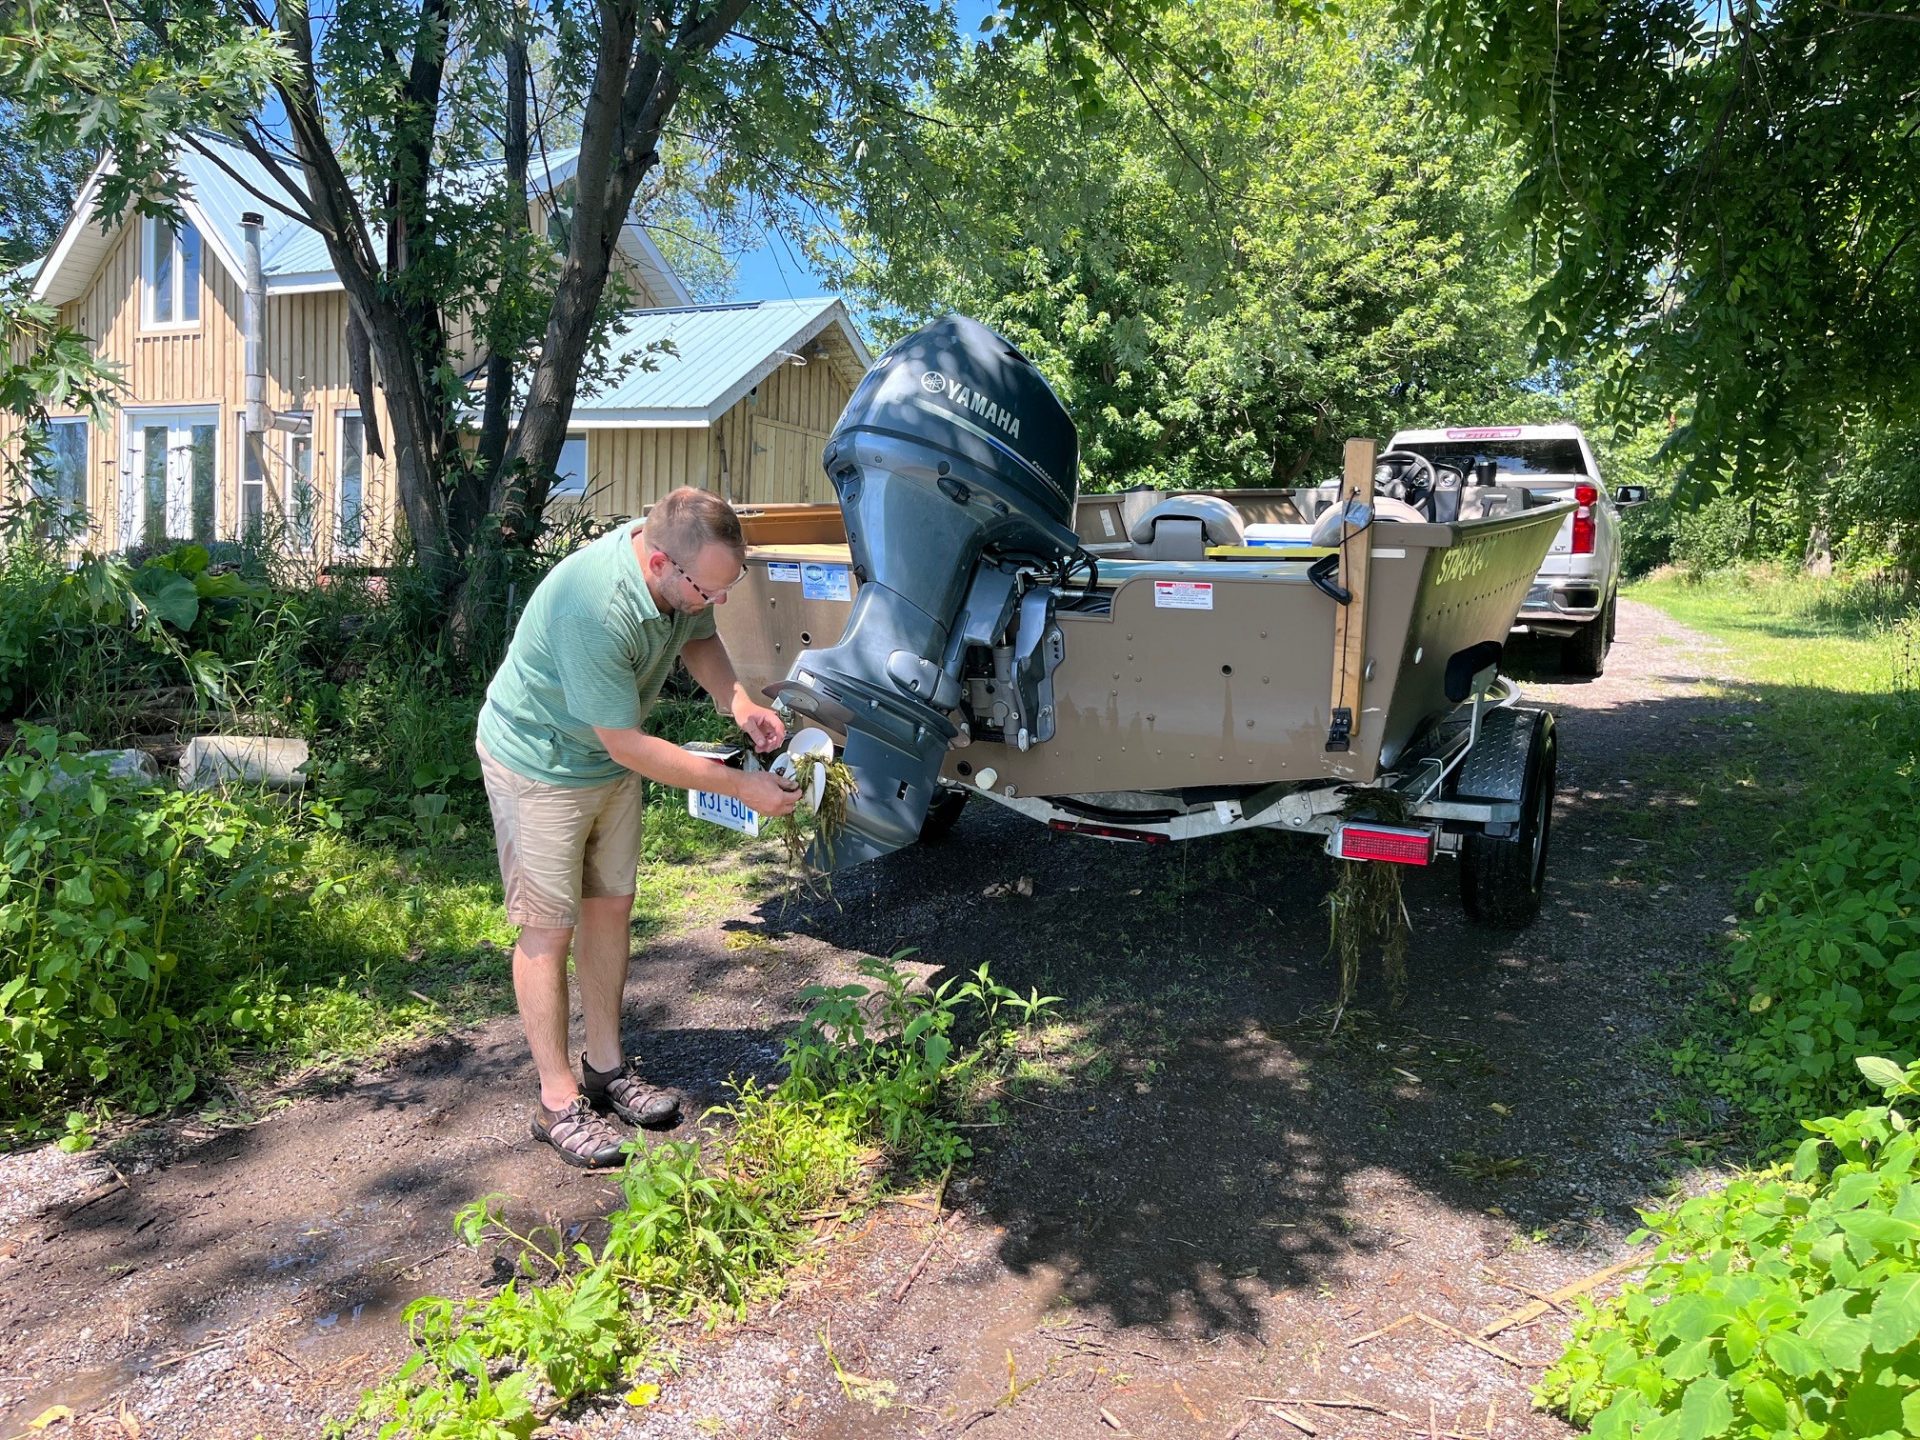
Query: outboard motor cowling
957	470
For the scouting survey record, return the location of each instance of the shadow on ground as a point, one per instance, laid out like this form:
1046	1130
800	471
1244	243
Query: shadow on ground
1211	1140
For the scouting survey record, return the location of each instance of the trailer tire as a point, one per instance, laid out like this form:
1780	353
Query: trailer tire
944	813
1502	878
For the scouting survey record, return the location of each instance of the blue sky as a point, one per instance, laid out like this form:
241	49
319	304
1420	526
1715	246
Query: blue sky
776	271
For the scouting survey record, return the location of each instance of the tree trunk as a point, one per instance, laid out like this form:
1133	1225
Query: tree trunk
477	481
418	427
634	90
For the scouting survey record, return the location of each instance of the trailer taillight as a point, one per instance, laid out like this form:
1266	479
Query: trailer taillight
1402	845
1107	832
1584	498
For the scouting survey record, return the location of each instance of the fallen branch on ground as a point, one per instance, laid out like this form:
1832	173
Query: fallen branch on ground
1538	1308
933	1239
1474	1340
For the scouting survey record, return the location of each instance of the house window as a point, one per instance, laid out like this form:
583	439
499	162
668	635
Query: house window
253	488
301	501
62	476
175	462
570	470
170	275
350	498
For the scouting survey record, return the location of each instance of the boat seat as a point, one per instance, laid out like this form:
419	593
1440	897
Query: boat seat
1484	502
1181	527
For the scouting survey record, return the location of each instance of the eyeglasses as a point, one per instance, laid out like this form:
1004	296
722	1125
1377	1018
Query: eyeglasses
710	596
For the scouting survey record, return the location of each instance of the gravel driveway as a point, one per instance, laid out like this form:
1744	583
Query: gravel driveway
1220	1202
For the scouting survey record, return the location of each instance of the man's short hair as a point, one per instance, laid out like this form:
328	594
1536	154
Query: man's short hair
685	521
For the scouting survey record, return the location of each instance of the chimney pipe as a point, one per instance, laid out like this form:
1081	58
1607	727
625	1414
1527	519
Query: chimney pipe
253	319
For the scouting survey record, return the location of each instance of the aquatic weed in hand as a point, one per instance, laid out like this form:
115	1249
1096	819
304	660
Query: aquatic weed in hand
807	828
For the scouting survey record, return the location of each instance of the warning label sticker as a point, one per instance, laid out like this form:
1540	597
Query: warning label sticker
825	582
1183	594
780	570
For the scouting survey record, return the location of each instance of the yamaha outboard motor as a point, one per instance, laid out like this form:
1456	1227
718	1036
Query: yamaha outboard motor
957	471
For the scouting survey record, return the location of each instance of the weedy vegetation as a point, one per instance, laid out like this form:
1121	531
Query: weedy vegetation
1825	965
1785	1305
809	833
154	941
1365	911
875	1085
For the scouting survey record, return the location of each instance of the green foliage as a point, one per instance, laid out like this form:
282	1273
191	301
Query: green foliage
1868	501
131	927
1785	1305
35	196
1722	533
412	123
703	1228
888	1052
1827	969
81	643
150	938
1726	191
44	365
1823	968
1226	270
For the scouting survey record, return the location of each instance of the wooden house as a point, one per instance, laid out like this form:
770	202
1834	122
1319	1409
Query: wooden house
738	398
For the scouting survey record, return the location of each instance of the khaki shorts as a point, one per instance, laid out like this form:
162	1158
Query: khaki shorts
560	844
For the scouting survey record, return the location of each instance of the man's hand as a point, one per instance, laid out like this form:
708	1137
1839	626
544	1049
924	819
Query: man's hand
766	792
763	728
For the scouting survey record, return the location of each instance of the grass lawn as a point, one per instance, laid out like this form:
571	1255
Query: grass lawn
1836	637
418	940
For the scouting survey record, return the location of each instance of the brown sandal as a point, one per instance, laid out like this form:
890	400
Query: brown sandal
634	1100
580	1134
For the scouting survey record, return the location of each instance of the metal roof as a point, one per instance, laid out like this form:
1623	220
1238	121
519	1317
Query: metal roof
720	352
222	179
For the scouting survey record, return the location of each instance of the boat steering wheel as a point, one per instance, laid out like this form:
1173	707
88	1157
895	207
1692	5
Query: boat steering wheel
1417	479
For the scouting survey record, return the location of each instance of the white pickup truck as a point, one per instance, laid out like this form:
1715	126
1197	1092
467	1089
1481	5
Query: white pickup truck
1573	596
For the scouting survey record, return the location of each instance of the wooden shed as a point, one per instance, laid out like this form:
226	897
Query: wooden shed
738	399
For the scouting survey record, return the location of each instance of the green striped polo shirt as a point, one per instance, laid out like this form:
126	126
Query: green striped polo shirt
591	649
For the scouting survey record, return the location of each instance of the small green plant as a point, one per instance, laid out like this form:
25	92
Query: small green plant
704	1228
1785	1305
888	1051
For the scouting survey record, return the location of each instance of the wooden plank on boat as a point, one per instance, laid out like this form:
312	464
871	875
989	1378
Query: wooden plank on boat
1350	620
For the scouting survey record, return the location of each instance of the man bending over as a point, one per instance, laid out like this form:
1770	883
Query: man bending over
563	754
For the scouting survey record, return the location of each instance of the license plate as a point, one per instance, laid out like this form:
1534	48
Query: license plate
723	810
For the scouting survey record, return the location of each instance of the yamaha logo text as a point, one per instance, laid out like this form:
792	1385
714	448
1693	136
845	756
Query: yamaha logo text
967	398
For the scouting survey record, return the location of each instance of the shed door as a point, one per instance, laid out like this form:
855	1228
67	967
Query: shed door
786	463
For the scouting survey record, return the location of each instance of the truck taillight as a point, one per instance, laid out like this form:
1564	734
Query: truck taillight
1584	497
1401	845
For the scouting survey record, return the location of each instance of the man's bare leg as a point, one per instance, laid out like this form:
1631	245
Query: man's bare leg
600	954
540	987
